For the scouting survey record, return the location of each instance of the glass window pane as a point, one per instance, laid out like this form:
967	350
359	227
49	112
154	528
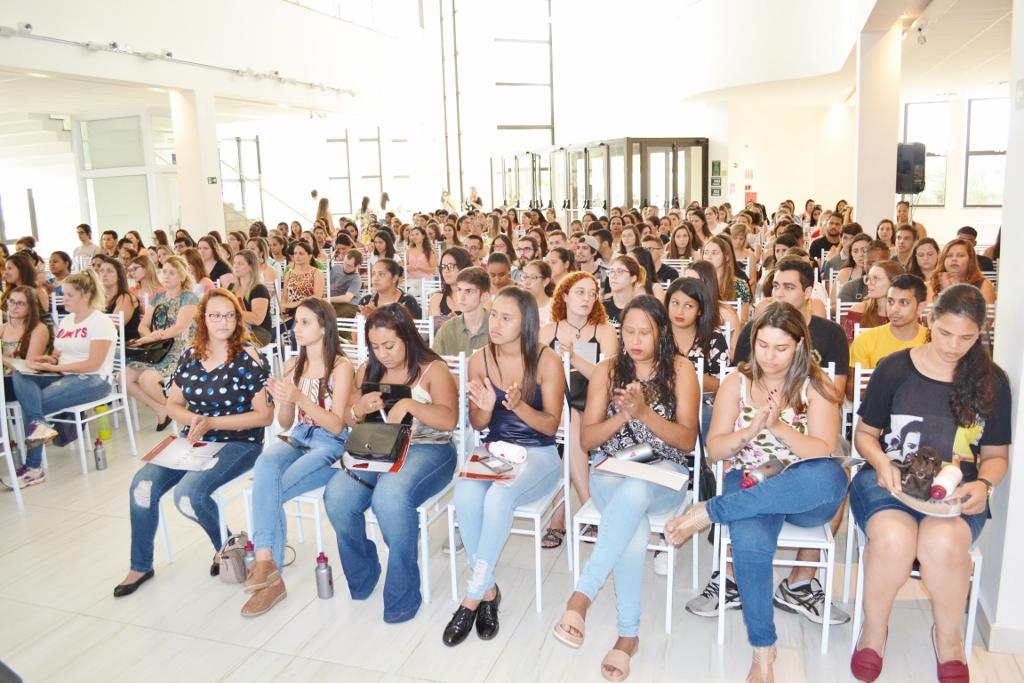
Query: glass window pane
545	180
250	165
637	188
365	158
521	63
231	192
577	179
163	139
511	195
990	126
112	143
525	166
618	172
367	187
337	191
928	122
985	179
558	180
659	176
934	183
229	159
527	105
337	159
529	21
597	189
512	141
120	203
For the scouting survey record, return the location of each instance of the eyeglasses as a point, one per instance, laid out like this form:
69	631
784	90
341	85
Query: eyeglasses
217	317
532	278
524	250
448	266
17	304
585	294
618	271
472	247
132	269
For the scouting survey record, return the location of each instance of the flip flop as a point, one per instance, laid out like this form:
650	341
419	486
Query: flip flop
572	620
552	538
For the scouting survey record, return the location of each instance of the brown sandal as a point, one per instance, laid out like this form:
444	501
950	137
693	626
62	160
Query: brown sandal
552	538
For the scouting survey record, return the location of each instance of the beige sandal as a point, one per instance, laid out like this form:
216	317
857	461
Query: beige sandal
691	522
765	657
617	659
574	620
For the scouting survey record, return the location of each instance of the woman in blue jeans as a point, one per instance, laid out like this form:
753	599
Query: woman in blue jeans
290	468
780	405
516	391
646	394
83	350
219	393
397	356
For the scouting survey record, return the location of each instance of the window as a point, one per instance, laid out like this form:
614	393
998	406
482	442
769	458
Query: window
988	125
928	123
339	188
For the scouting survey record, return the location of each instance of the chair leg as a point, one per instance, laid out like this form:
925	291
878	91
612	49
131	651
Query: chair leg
135	412
163	532
668	588
82	439
14	479
299	533
858	599
424	552
828	557
536	561
131	434
849	554
221	517
574	529
318	525
723	564
247	506
972	609
452	553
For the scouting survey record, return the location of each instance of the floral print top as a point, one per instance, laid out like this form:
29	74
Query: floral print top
742	290
635	431
765	445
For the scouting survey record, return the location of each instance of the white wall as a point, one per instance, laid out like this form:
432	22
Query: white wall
796	153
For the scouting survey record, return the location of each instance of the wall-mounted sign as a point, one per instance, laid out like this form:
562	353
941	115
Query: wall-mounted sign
716	168
716	192
716	182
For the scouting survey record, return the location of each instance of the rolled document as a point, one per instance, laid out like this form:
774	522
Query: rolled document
508	452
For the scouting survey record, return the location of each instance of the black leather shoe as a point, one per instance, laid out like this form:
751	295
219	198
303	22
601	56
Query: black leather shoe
459	627
215	569
487	619
164	425
129	588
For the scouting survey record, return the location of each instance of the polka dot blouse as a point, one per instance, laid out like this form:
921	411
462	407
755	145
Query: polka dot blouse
228	389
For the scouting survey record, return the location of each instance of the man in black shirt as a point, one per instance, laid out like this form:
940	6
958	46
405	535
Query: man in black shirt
794	284
655	247
830	237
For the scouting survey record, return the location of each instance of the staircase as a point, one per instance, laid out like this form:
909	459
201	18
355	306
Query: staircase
235	220
34	140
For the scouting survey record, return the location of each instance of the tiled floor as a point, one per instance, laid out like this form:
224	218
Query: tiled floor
61	558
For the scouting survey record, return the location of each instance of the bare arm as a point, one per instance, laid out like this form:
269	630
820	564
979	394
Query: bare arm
98	349
258	313
186	314
822	429
442	413
37	342
551	381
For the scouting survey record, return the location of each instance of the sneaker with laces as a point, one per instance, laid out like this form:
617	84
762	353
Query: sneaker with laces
706	604
807	599
661	562
40	435
26	476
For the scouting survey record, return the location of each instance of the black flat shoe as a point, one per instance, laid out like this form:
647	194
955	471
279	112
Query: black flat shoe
487	619
164	425
215	569
129	588
459	628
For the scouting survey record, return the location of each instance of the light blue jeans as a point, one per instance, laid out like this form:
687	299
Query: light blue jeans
283	472
485	509
625	533
42	395
806	494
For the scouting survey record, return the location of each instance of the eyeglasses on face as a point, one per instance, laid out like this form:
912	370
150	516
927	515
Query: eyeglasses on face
448	266
217	317
585	293
618	271
17	304
531	278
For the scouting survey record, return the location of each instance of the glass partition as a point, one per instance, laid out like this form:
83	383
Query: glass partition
511	193
659	177
524	169
542	162
596	169
617	174
559	183
497	185
112	143
638	197
577	184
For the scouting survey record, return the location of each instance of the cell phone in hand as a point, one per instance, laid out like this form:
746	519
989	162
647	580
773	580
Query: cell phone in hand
496	465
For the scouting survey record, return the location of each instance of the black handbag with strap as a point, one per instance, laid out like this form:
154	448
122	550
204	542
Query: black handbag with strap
378	441
151	353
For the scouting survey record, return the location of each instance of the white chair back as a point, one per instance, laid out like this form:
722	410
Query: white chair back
842	308
354	348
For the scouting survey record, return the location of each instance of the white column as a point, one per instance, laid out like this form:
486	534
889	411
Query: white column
1001	617
195	142
878	121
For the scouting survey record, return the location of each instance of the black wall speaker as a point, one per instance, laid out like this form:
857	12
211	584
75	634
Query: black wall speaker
910	168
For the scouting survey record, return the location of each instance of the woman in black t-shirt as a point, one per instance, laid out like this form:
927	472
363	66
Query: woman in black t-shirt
949	396
253	294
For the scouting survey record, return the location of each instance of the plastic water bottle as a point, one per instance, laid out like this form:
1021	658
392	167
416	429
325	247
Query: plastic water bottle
946	481
249	557
100	454
324	578
766	470
104	423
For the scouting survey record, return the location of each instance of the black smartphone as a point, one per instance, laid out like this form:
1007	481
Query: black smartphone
288	440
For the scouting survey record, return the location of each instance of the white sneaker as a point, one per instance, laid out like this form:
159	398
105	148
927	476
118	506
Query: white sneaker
40	435
661	562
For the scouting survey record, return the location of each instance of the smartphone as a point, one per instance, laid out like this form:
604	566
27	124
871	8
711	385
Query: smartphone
288	440
496	465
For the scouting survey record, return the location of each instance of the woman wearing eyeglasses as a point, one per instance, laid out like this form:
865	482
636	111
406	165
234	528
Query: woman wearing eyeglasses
219	395
23	334
169	316
579	326
537	281
453	261
143	273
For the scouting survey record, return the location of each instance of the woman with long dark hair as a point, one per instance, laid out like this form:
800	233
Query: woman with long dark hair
683	244
645	394
516	391
20	269
951	385
219	395
562	262
453	261
705	272
316	420
119	297
537	281
718	252
23	333
502	244
397	355
217	267
693	315
925	258
958	263
384	278
779	404
420	257
383	246
646	261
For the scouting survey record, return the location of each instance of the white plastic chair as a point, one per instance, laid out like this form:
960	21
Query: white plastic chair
539	512
589	514
116	401
219	496
430	288
5	437
355	327
842	308
861	375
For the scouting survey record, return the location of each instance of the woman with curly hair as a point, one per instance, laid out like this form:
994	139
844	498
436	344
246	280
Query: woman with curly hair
648	394
578	324
958	263
222	368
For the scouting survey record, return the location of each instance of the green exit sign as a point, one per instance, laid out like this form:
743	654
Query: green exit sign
211	180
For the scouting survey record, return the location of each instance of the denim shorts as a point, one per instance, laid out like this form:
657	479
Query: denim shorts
867	498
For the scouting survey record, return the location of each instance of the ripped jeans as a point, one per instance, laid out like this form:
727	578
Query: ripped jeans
193	496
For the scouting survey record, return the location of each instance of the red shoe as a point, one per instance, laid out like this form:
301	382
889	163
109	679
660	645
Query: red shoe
866	664
953	671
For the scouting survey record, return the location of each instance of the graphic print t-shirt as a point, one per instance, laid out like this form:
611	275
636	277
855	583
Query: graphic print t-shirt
74	340
913	412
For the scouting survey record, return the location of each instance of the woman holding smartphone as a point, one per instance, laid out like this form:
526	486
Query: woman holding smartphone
302	461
